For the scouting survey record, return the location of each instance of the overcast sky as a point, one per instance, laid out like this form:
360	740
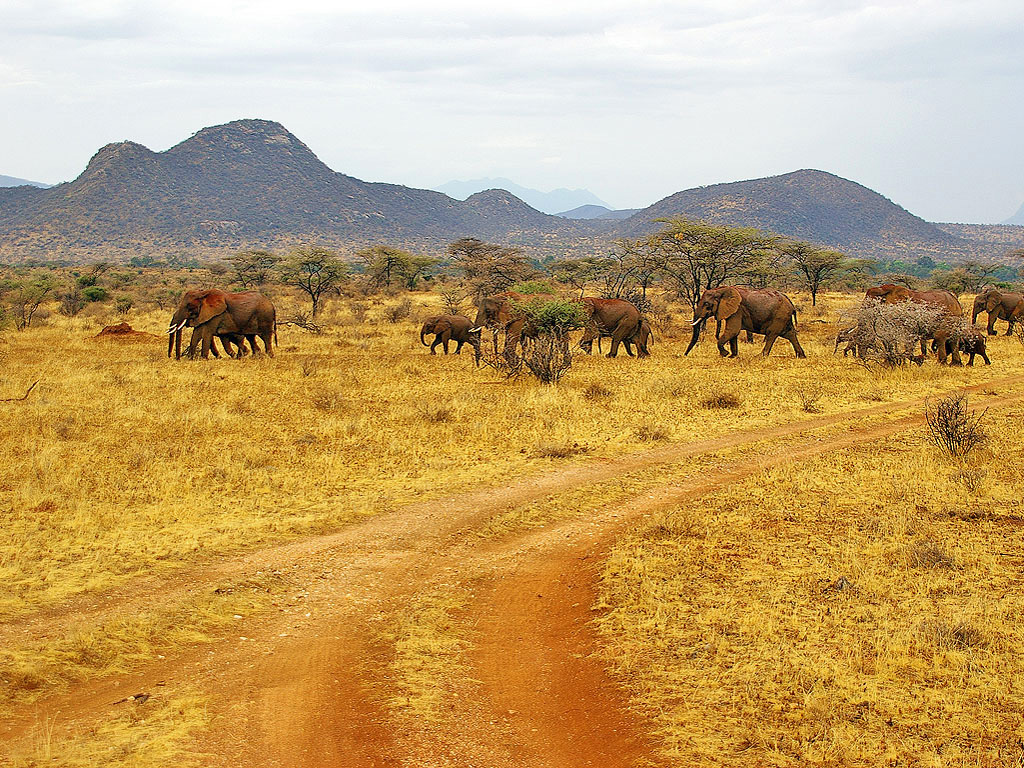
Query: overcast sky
631	100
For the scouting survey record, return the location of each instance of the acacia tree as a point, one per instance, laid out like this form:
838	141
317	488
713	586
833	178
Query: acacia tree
24	298
488	268
580	272
816	266
251	269
315	271
698	256
386	266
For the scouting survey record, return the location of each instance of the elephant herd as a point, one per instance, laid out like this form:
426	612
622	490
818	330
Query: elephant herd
237	318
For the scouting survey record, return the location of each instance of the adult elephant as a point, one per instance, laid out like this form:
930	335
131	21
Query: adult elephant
503	312
738	309
448	328
617	319
213	312
1000	305
945	301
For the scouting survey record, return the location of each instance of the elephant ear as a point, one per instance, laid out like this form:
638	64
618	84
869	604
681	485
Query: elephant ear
995	298
213	304
728	304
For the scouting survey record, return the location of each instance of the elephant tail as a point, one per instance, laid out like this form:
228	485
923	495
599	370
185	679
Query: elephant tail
275	334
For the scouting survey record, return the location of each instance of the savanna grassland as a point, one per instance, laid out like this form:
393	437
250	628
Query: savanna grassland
721	618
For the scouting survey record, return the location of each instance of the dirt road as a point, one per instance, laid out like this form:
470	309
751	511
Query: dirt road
313	684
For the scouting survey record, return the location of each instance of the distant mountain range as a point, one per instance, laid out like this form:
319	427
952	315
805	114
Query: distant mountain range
1017	218
251	183
547	202
14	181
598	212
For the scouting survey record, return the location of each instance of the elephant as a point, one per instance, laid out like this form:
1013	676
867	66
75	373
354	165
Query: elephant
643	339
1000	305
615	318
227	339
972	340
229	315
848	335
500	312
448	328
764	311
889	293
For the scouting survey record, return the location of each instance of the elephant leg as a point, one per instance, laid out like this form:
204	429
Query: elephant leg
433	347
992	324
628	347
458	347
984	356
970	359
445	338
790	336
720	343
268	337
750	337
769	342
1009	329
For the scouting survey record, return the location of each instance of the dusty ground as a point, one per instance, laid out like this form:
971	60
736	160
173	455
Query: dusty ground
318	680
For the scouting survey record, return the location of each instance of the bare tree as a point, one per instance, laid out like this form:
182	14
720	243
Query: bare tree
489	268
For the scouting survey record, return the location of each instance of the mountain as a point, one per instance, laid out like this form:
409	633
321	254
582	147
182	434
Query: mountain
252	184
245	183
14	181
590	212
816	206
1017	218
548	202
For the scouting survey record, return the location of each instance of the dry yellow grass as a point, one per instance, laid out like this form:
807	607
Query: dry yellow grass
148	733
123	463
862	608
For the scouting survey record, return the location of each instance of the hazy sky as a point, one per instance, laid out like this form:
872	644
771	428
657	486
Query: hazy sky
632	100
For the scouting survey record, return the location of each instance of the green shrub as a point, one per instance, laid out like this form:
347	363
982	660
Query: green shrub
535	286
95	293
86	281
123	305
554	316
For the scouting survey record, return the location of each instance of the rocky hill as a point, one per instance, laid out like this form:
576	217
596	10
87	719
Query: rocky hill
815	206
251	183
246	183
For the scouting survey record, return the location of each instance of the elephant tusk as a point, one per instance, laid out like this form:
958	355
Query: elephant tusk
695	322
474	330
178	327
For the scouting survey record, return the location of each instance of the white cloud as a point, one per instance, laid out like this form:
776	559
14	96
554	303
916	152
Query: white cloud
638	99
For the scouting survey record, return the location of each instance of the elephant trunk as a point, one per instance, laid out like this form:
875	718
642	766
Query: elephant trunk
170	343
423	333
177	344
698	325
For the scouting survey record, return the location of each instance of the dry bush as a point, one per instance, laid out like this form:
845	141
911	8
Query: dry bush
809	396
971	478
953	428
309	366
928	553
303	321
437	414
452	298
650	433
560	450
721	400
595	391
399	311
953	637
890	335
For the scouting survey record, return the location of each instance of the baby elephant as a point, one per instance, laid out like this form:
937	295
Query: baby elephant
451	328
848	335
974	341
